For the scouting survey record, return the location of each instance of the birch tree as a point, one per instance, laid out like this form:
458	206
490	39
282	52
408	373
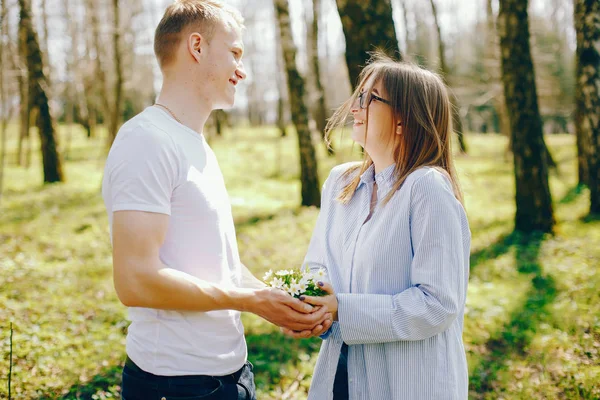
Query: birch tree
309	177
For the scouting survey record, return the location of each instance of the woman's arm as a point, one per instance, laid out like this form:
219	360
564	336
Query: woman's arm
438	275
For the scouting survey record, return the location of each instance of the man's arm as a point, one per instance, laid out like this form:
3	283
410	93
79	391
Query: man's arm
142	280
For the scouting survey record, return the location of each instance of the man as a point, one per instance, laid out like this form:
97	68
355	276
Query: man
176	262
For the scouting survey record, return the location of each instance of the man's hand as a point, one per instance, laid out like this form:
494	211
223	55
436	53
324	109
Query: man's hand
281	309
317	330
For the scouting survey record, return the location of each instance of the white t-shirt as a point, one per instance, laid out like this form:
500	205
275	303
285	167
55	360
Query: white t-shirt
158	165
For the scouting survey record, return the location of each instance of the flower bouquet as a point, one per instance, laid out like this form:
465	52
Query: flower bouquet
297	282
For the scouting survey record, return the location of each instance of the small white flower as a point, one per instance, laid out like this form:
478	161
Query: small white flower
301	287
295	288
278	283
306	278
268	275
321	273
283	272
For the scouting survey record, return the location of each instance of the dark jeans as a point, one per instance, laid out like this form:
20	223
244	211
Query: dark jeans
141	385
340	384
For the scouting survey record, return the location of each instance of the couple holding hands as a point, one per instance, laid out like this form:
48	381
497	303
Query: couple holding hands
392	236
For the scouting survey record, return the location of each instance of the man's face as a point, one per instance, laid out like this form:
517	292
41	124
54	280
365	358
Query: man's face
224	69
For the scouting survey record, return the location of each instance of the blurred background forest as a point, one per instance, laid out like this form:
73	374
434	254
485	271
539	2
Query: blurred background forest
525	83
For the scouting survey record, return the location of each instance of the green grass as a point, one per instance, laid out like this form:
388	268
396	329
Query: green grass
532	327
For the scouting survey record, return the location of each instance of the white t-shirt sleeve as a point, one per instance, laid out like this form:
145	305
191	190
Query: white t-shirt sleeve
142	170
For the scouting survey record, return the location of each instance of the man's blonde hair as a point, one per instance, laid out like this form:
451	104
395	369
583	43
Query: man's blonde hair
185	16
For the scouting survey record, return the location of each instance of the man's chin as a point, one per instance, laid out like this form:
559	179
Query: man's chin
224	105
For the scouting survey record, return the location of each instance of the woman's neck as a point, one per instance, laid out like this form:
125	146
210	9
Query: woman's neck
381	162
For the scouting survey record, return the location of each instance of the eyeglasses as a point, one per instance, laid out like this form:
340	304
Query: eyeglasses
365	98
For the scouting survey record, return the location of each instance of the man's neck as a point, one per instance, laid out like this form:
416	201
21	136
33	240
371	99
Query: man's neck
191	111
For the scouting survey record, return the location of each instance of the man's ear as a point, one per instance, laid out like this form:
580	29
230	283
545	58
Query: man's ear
195	44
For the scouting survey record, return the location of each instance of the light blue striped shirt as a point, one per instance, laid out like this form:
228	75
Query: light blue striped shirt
401	283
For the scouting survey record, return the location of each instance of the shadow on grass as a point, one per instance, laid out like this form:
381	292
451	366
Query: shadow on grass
512	340
27	211
572	194
272	351
256	219
495	250
108	381
246	222
591	218
269	352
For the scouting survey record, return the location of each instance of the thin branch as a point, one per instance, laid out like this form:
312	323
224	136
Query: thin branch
10	361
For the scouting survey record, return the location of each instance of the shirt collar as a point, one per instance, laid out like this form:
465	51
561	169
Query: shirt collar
384	179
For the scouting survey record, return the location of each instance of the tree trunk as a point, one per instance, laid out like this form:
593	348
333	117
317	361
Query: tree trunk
282	87
311	195
404	11
219	117
39	98
99	74
88	100
320	114
533	198
70	72
115	120
587	26
367	25
76	88
581	131
24	108
4	114
457	121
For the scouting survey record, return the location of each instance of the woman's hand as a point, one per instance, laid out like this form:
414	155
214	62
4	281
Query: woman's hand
328	302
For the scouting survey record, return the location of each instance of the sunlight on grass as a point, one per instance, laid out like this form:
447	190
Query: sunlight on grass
536	301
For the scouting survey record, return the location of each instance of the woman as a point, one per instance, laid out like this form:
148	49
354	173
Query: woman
394	238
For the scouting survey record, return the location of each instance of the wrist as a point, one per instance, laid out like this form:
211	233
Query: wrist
244	299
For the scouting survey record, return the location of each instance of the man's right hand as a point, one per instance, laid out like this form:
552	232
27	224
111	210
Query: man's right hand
285	311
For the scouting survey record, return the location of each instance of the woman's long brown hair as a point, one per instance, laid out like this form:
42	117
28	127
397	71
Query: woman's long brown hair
419	101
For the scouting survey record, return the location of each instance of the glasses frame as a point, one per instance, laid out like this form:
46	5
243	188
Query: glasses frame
361	99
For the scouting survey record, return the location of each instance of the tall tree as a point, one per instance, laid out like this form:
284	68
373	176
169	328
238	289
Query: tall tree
312	47
99	72
45	44
533	198
117	109
23	154
492	66
71	71
282	87
404	11
38	97
587	26
367	25
89	81
3	109
309	177
456	119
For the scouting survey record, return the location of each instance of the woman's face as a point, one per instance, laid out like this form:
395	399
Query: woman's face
377	138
